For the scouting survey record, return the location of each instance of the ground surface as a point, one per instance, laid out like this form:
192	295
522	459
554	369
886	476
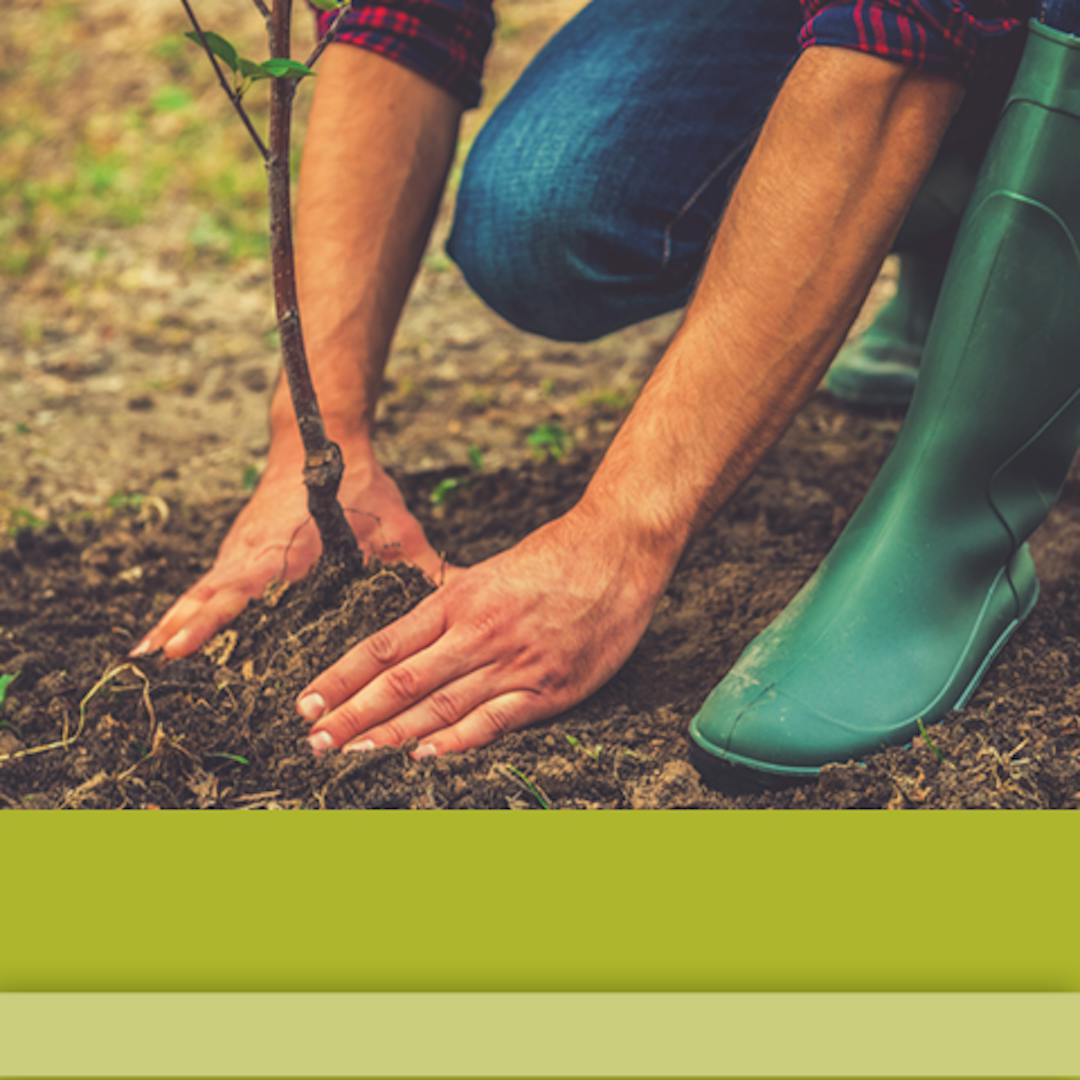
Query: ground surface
136	352
220	730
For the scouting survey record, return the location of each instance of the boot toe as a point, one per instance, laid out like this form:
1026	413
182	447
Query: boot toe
775	732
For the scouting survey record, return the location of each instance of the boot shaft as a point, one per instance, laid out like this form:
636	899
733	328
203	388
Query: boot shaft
997	408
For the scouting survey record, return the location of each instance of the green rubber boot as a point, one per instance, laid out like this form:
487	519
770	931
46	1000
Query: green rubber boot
881	365
932	574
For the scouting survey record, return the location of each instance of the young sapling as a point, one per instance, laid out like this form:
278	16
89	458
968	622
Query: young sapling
323	462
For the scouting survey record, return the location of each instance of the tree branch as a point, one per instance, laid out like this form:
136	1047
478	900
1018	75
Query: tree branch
327	37
264	11
238	105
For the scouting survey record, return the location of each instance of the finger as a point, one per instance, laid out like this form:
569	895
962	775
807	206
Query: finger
393	692
247	578
485	724
374	655
178	614
441	709
220	610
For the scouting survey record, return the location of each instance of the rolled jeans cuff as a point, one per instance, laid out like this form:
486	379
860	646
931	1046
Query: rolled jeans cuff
1061	15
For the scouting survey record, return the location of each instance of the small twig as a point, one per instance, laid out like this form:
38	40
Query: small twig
327	37
255	796
264	11
229	92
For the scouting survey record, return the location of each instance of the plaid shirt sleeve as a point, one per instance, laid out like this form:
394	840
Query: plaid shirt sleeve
945	37
446	41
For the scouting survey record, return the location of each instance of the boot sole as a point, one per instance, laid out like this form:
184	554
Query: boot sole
701	750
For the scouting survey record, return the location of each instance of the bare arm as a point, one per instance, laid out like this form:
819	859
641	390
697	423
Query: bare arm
535	629
379	144
824	193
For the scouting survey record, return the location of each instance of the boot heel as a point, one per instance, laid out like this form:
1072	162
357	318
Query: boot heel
1025	585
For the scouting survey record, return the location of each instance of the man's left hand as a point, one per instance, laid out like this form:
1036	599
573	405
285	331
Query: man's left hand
515	639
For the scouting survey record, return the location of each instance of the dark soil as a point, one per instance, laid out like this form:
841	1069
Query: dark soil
219	730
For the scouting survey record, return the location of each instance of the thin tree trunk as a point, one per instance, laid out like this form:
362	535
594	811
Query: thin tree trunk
323	464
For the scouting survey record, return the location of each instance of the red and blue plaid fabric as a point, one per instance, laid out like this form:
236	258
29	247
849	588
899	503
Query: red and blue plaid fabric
941	36
446	41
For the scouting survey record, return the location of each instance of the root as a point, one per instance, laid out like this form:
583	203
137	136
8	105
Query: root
67	737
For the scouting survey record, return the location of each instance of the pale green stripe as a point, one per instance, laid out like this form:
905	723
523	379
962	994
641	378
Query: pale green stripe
539	1034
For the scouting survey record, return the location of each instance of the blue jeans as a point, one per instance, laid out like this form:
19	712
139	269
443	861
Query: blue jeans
591	195
1061	15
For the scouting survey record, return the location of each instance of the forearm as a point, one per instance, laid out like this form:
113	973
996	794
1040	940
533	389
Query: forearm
840	159
380	140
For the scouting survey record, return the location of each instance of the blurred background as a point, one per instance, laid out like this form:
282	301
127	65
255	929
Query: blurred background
137	342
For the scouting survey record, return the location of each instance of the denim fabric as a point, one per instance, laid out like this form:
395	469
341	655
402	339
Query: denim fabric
591	193
1061	15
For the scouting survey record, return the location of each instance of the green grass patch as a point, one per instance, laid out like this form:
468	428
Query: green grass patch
548	440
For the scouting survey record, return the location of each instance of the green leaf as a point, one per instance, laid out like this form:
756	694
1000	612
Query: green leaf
929	742
329	5
476	457
236	759
222	48
279	67
528	783
250	70
251	477
443	489
5	682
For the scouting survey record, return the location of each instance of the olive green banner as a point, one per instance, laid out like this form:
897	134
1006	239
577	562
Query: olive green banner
496	901
548	1034
786	944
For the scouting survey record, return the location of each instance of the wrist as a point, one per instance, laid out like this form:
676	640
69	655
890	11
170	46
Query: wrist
348	426
653	546
286	452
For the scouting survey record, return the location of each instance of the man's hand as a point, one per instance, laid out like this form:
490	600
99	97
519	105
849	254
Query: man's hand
513	640
274	537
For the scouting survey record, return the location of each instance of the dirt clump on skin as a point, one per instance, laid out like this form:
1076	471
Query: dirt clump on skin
220	729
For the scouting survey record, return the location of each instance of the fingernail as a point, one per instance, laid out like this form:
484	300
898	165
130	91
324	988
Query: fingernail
425	751
320	742
311	706
362	747
177	642
141	649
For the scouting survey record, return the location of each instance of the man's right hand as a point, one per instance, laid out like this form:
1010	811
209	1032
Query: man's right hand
275	538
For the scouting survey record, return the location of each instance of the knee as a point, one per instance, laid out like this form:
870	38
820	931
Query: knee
530	244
